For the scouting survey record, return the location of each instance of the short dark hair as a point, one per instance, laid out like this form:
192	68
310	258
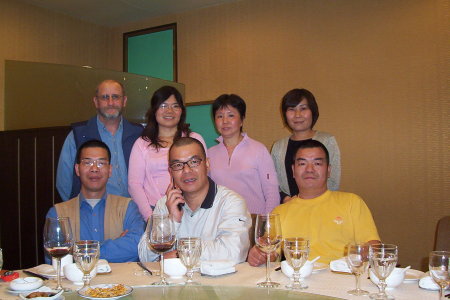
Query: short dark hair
92	144
307	144
151	131
294	97
184	141
232	100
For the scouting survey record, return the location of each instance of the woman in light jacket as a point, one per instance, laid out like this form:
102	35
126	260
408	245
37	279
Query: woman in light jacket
300	114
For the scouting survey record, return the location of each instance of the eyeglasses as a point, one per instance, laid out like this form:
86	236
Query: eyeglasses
113	97
173	106
100	163
192	163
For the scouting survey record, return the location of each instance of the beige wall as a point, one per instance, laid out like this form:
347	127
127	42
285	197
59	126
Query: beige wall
380	71
33	34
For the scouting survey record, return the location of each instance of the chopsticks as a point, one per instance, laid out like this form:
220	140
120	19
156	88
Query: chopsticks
144	267
35	274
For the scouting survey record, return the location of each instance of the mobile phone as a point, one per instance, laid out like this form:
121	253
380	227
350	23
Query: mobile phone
180	205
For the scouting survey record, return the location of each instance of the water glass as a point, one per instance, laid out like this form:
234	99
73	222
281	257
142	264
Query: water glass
439	263
383	259
189	249
357	257
86	254
296	251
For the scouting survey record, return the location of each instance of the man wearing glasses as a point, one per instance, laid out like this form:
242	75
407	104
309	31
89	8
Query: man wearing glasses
108	126
201	208
94	214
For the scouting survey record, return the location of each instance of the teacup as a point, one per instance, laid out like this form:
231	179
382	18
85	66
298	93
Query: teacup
174	267
65	260
305	270
74	274
393	280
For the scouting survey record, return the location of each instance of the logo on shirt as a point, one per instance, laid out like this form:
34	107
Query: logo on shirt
338	220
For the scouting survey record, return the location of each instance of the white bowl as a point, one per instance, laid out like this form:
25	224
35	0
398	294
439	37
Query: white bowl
305	271
26	284
74	274
174	267
43	289
393	280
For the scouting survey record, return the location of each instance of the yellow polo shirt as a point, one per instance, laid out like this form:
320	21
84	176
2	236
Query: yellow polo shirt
329	221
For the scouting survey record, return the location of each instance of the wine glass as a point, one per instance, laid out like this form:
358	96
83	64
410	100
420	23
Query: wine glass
357	257
439	265
382	258
189	249
268	239
296	251
58	241
160	238
86	254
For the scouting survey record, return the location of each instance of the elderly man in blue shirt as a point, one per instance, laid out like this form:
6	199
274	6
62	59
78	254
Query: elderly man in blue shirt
94	214
108	126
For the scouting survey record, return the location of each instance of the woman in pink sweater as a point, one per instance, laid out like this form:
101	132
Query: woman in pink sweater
148	175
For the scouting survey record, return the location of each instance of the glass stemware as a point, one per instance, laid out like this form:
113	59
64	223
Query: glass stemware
160	238
86	254
439	266
383	258
296	251
268	239
58	241
189	249
357	257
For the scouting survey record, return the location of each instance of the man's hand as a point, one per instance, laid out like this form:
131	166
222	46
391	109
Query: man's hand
256	257
174	197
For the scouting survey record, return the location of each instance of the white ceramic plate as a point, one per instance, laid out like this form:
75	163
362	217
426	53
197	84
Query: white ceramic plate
82	292
318	266
57	295
413	275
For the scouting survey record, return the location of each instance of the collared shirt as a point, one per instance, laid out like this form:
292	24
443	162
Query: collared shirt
117	183
222	222
121	249
249	171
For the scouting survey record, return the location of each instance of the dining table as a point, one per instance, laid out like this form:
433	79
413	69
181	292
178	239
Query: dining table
322	284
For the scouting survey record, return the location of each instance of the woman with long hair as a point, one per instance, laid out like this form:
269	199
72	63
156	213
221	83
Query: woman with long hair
148	175
239	162
300	114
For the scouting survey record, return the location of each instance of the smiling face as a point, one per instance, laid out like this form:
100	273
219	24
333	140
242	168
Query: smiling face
189	180
109	100
311	171
168	113
93	178
228	121
299	118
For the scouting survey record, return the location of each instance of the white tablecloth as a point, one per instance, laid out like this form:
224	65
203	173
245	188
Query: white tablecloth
321	282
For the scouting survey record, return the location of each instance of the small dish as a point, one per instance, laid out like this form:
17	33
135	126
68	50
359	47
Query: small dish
83	292
412	275
26	284
57	294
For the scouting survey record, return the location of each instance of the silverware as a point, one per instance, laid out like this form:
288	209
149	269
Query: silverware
35	274
144	267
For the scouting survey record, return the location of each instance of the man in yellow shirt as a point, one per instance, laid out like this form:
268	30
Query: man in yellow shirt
329	219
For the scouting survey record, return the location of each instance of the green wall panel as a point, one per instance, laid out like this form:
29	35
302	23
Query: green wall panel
199	116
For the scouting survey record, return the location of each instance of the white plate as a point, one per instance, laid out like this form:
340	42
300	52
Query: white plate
318	266
57	295
82	292
413	275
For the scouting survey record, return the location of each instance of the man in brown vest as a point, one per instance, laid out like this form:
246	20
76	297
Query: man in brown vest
113	220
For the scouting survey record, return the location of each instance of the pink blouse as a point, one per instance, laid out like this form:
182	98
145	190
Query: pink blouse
148	175
249	171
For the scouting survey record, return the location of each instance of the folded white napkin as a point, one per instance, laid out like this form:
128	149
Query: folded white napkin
340	265
426	282
103	266
217	267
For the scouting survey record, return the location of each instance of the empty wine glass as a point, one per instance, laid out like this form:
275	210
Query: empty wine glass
160	238
189	249
268	239
58	241
86	254
357	257
383	258
439	265
296	251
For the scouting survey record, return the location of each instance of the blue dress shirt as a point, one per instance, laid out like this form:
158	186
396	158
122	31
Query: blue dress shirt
121	249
